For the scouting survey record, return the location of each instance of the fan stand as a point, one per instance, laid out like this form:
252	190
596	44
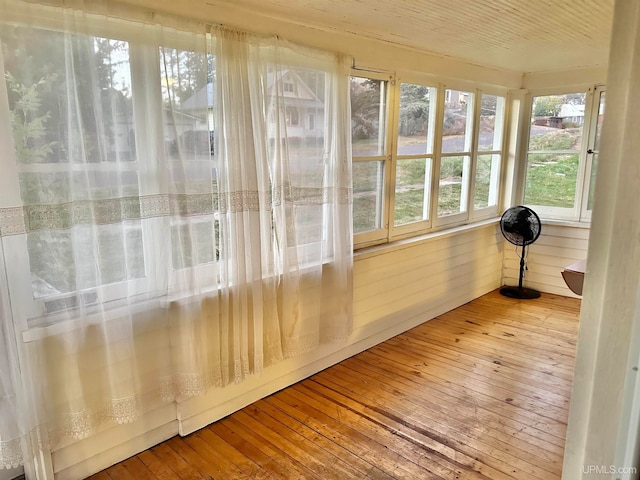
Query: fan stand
520	291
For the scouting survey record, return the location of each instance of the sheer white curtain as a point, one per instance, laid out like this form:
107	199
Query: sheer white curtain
175	214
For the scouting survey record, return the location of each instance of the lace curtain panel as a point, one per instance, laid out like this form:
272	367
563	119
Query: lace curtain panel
175	214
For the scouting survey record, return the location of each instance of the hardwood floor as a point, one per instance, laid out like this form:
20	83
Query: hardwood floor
481	392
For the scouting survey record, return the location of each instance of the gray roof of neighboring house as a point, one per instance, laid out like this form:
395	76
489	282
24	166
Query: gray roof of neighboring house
198	99
570	110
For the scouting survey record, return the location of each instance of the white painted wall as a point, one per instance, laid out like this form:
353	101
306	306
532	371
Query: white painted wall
557	247
396	287
11	473
600	429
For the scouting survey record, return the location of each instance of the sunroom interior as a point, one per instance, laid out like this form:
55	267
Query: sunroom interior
466	108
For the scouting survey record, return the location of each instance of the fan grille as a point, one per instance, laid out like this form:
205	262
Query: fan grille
520	225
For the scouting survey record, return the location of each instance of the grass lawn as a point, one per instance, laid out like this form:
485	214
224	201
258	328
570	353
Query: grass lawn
551	180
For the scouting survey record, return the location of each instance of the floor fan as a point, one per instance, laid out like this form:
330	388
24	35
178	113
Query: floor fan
521	226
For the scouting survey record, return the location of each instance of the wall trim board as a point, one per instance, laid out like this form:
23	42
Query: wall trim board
384	249
113	455
66	456
576	77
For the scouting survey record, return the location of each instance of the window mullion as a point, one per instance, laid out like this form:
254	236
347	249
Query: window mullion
473	156
148	115
437	152
392	155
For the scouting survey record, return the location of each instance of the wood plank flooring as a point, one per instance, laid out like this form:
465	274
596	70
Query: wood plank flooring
481	392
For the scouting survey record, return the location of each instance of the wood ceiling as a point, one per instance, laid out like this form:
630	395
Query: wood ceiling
517	35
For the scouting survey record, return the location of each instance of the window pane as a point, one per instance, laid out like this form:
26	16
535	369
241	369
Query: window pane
556	127
53	115
452	185
413	184
551	179
556	122
288	123
368	182
594	159
194	244
83	257
457	125
416	122
491	122
188	100
600	120
592	181
487	177
368	113
75	144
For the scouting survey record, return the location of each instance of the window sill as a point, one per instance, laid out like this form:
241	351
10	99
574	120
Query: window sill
383	249
565	223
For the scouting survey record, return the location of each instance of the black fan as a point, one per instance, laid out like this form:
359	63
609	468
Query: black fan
521	226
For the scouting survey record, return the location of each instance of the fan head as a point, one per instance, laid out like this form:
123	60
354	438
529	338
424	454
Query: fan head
520	225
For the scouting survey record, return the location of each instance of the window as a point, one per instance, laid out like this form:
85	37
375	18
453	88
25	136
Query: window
117	168
443	168
83	164
593	147
288	87
369	113
562	153
415	156
455	159
52	169
293	118
489	152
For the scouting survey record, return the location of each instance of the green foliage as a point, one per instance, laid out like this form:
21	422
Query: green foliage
454	123
449	199
556	140
414	109
547	106
451	167
365	108
409	206
29	124
483	181
411	172
551	180
488	105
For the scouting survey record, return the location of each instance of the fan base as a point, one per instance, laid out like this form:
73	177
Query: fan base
519	292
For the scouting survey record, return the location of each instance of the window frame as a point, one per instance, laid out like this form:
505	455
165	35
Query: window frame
466	192
578	212
379	235
598	91
144	63
483	213
398	232
391	232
